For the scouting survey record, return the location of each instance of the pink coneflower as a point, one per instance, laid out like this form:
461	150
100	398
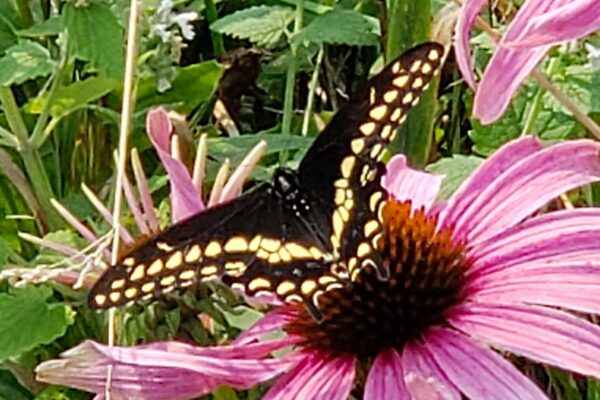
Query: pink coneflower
537	26
477	274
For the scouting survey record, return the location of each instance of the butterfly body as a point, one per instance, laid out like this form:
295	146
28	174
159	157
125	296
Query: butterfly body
305	232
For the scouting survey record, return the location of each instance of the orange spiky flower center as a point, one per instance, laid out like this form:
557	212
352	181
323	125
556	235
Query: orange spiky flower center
427	273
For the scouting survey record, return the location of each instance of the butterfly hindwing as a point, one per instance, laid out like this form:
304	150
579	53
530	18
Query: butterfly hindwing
344	166
259	241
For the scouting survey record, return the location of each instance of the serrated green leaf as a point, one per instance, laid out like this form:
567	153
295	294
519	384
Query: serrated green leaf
455	171
96	37
67	98
192	86
236	148
24	61
263	25
28	320
49	27
340	27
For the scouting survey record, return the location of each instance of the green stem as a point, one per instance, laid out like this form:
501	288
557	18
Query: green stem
454	141
290	80
409	23
536	104
31	159
288	102
217	38
8	139
38	136
13	115
314	80
25	13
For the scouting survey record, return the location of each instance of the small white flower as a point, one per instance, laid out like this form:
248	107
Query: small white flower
184	21
593	56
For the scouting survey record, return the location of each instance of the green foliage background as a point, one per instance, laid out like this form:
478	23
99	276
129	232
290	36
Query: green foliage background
61	68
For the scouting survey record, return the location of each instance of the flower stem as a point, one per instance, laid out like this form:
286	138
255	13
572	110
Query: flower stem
536	104
217	38
125	127
314	80
34	166
39	134
290	81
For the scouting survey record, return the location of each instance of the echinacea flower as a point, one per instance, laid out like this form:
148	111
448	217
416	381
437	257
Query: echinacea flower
537	26
185	195
479	273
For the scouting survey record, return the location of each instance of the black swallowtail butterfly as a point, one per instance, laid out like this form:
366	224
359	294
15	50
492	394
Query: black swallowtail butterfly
304	233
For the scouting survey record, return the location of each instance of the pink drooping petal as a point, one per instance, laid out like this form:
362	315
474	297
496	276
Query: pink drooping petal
505	73
527	186
541	334
507	156
470	9
509	67
234	185
185	199
423	377
571	21
167	370
405	183
316	376
144	191
82	228
558	237
134	207
386	378
106	213
568	284
476	371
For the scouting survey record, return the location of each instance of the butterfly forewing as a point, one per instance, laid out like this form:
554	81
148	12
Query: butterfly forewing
343	165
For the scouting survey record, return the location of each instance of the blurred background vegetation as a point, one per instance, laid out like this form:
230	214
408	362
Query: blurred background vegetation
239	71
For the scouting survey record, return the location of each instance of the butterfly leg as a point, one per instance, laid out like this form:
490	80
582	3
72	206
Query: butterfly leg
313	310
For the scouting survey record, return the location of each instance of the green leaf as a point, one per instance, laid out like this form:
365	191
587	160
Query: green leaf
24	61
9	23
68	98
49	27
340	27
96	37
455	170
192	86
236	148
28	320
242	317
60	393
11	389
263	25
225	393
593	389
